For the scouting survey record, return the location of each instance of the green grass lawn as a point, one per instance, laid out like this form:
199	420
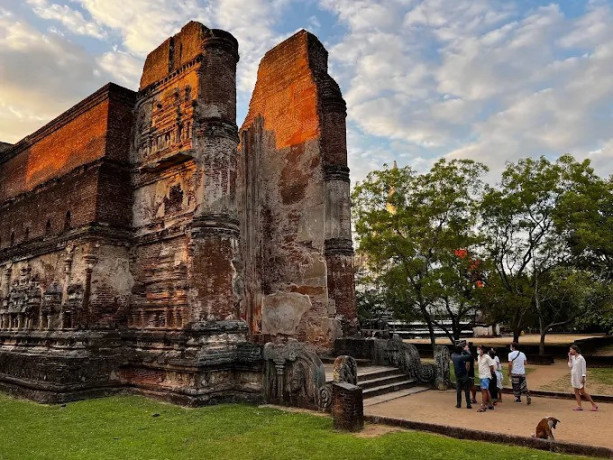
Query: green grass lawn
124	427
601	375
599	381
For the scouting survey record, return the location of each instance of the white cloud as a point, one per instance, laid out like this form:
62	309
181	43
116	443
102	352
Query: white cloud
494	81
479	79
125	68
72	19
40	77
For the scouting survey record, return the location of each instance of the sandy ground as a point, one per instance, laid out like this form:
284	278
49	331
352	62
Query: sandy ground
542	376
587	427
527	339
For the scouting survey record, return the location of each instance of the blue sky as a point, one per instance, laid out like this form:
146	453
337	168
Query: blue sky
490	80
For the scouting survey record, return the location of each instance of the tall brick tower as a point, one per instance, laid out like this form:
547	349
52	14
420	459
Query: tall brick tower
185	301
294	200
185	198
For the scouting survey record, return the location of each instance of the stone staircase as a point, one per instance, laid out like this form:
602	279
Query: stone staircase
379	383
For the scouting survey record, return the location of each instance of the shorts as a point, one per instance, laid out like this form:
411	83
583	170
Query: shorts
485	384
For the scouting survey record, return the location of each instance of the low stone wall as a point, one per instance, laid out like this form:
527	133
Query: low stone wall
479	435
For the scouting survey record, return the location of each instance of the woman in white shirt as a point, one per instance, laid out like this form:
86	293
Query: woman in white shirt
578	374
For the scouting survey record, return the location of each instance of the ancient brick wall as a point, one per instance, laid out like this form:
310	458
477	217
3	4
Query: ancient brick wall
294	200
184	212
66	210
136	249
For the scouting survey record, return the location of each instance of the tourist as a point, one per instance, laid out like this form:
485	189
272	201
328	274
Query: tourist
578	374
460	367
486	370
517	371
498	374
471	372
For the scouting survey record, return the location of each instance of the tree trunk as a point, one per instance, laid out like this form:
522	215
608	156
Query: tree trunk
543	332
430	330
516	334
542	342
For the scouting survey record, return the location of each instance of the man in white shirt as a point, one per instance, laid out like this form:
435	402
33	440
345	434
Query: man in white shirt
517	371
486	368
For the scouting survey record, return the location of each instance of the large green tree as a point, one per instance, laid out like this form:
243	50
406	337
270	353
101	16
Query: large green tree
530	234
585	219
410	228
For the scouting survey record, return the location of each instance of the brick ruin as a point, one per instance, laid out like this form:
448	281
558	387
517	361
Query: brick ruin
143	249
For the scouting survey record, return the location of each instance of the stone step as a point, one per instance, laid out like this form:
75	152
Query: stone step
377	373
394	395
359	361
370	382
388	388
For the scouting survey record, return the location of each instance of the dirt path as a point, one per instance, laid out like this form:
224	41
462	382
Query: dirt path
527	339
587	427
542	376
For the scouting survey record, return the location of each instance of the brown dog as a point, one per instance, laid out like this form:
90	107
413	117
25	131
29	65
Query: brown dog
545	427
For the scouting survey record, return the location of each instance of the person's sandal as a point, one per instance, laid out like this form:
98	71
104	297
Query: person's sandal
482	409
594	408
578	409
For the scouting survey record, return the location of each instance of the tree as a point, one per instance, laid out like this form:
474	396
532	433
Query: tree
525	236
585	218
569	293
410	225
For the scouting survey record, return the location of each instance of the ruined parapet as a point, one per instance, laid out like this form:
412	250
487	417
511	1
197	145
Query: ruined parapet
388	352
294	198
404	356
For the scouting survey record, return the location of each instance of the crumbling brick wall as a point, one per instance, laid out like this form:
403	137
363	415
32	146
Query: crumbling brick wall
295	216
136	248
67	188
185	200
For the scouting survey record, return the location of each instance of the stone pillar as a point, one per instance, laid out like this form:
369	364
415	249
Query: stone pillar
67	276
90	258
6	284
338	242
347	407
215	228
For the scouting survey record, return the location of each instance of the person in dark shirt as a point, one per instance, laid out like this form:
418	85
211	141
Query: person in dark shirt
461	366
471	371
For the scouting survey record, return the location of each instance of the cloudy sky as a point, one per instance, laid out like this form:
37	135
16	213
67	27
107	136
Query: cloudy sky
484	79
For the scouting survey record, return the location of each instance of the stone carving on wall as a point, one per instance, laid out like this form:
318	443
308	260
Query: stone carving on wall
404	356
441	359
22	302
73	308
51	307
170	126
345	370
293	375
